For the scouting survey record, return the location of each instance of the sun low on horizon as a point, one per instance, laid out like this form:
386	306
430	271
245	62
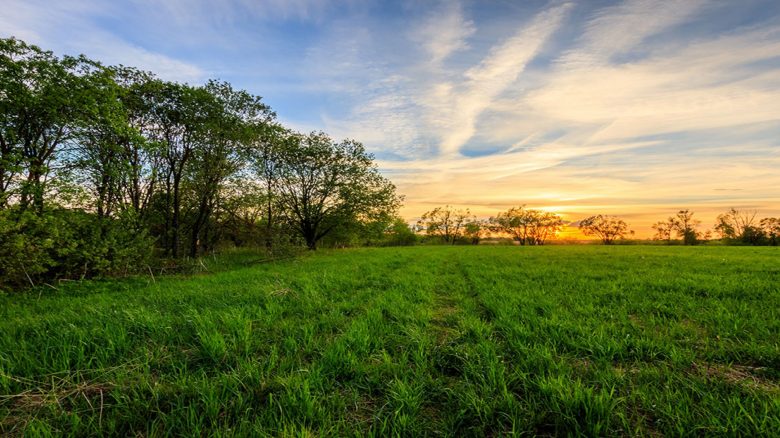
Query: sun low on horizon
630	108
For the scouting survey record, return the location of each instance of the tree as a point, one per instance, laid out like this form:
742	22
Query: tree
400	234
43	100
181	114
474	230
142	153
685	225
663	230
99	150
231	122
607	228
445	222
544	225
740	225
324	185
266	155
771	228
526	226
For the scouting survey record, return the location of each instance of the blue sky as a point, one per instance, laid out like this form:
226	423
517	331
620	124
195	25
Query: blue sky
634	107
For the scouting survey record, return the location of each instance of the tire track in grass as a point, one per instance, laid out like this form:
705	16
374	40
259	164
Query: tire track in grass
467	361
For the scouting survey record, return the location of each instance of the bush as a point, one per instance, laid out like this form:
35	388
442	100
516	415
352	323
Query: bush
67	244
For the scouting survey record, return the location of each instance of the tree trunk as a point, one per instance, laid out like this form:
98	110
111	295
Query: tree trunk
310	235
269	241
32	193
175	218
198	225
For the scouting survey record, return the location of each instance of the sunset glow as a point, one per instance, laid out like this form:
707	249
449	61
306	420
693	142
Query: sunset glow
634	108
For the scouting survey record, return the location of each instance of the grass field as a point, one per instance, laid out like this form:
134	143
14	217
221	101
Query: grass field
409	341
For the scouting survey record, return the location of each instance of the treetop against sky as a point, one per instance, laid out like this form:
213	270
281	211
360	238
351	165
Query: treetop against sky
637	108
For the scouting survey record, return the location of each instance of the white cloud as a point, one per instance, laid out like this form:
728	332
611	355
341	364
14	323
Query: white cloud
65	27
444	32
457	107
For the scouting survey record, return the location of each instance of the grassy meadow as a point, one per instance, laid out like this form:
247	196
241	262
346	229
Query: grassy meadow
439	341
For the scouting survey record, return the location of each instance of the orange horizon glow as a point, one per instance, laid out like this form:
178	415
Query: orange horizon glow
639	222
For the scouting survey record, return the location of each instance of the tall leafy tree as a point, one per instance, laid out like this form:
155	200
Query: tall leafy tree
141	151
180	114
324	185
232	120
99	152
43	102
267	152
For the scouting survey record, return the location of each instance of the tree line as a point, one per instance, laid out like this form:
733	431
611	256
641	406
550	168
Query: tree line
105	169
535	227
525	226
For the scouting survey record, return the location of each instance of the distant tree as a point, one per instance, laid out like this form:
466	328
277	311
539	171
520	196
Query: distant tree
544	226
447	223
686	227
663	230
741	226
606	228
527	226
474	231
771	228
399	233
324	185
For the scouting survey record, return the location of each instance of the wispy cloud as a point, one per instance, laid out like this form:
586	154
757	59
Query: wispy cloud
69	28
457	106
444	32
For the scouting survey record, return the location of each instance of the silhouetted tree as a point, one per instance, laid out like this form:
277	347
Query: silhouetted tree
686	227
771	228
606	228
526	226
447	223
474	230
663	230
741	226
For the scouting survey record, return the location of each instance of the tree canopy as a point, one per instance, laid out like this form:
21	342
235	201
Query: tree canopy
175	168
606	228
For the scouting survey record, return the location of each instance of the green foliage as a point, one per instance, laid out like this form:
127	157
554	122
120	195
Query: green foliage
400	233
196	168
446	223
427	340
325	186
66	244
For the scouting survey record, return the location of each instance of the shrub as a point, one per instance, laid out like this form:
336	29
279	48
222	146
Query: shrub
67	244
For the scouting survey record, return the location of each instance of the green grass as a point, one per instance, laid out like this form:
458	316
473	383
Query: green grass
454	341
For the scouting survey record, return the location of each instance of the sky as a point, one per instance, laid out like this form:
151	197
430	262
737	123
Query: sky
634	108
